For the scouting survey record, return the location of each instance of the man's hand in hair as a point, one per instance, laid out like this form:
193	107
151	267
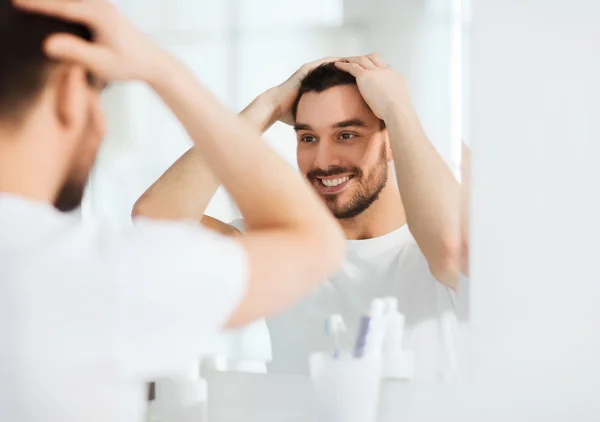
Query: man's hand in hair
283	96
380	86
119	51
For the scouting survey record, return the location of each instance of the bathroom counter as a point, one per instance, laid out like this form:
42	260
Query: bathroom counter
235	397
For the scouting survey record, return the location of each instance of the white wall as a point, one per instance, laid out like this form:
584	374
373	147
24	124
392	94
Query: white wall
535	247
535	224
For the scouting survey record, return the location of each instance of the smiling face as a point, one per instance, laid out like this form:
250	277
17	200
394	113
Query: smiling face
342	149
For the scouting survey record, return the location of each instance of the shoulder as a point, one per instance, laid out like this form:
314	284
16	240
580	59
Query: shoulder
179	239
56	242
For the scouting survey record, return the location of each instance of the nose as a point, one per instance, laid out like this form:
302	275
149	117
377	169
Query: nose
327	155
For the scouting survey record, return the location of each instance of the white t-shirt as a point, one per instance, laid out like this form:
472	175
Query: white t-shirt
390	265
89	314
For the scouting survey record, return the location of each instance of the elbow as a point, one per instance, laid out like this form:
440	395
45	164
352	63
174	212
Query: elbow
448	262
337	246
138	209
335	250
146	206
338	251
330	246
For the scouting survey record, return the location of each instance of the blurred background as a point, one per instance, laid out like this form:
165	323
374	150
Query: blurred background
240	48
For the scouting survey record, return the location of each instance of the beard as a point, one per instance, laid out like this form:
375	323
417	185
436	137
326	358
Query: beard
366	192
70	196
71	193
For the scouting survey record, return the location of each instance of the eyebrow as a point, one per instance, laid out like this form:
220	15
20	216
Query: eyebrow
350	123
342	124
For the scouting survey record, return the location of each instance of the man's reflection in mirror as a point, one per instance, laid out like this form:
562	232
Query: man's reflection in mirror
361	146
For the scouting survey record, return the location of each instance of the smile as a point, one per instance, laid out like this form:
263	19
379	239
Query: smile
334	182
332	185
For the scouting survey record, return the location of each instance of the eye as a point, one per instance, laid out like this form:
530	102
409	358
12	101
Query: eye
346	136
308	139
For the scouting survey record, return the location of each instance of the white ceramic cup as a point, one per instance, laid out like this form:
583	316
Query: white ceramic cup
347	389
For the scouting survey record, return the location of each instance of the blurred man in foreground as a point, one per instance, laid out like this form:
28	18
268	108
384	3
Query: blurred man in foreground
90	313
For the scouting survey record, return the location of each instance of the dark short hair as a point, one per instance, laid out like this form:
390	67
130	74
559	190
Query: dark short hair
322	78
25	68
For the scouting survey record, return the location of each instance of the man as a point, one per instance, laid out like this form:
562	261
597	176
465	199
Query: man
351	117
89	314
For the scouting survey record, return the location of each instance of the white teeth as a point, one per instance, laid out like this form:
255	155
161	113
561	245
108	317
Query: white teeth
335	182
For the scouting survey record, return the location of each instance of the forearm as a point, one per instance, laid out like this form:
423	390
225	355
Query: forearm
261	112
430	193
185	190
268	192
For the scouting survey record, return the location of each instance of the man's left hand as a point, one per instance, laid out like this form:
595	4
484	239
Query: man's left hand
381	87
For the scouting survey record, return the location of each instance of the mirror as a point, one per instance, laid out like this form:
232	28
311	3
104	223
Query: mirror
393	187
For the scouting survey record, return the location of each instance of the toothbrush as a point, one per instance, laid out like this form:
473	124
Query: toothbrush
334	325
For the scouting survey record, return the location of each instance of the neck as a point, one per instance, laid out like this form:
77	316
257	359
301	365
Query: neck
25	169
384	216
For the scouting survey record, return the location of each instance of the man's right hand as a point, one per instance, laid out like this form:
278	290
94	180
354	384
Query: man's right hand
119	51
283	96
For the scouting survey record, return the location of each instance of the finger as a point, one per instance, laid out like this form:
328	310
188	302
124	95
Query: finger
377	60
307	68
66	47
323	61
363	61
352	68
85	12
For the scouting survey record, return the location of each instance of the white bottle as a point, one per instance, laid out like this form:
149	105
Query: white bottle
376	333
397	362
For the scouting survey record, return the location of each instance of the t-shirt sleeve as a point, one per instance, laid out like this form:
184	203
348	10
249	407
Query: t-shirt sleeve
176	284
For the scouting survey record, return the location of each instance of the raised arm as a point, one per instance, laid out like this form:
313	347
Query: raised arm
184	191
186	188
284	219
430	192
293	242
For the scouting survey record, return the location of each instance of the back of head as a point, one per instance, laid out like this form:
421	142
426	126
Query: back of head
24	68
59	147
322	78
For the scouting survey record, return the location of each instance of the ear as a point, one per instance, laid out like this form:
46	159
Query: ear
71	99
